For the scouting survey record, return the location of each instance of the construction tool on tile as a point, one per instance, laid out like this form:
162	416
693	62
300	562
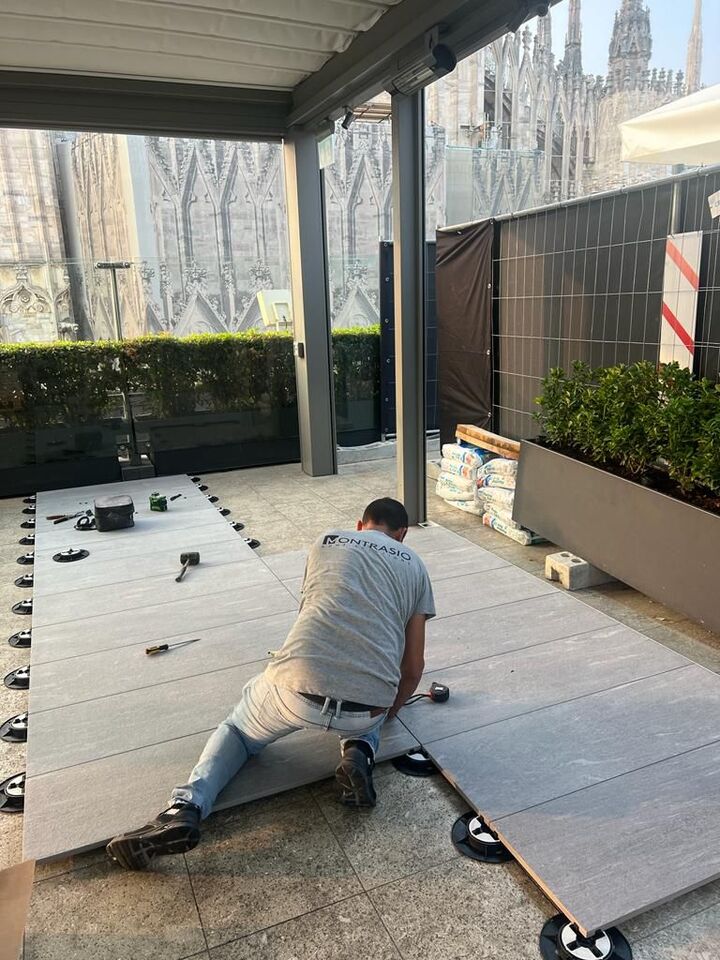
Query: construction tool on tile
62	517
191	559
175	497
158	502
438	693
164	647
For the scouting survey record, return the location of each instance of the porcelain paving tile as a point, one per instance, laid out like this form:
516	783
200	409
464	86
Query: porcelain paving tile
505	767
159	621
200	582
79	808
515	683
476	591
109	672
509	626
602	852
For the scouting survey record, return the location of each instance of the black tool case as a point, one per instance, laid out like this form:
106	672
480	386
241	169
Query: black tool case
114	513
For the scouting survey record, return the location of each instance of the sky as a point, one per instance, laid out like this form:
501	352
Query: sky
670	22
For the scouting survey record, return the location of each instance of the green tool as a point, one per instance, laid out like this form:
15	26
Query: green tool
158	502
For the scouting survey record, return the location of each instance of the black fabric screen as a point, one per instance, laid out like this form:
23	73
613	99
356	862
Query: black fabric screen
463	283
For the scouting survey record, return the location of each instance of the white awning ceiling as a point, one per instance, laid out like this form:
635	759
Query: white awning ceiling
265	44
684	131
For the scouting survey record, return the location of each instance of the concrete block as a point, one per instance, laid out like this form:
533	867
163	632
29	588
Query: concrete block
573	572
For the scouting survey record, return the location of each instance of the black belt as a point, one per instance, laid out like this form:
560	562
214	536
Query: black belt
350	705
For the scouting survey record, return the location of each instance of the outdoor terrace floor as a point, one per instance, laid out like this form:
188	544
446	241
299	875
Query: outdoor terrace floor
298	876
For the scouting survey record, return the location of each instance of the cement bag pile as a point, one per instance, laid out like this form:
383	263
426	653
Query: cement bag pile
457	483
495	493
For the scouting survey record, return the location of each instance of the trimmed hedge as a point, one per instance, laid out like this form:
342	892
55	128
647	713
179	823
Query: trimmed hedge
44	384
637	419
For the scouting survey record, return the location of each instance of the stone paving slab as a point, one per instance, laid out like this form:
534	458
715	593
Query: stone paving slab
52	577
157	540
109	672
510	626
80	808
159	622
477	591
515	764
618	848
515	683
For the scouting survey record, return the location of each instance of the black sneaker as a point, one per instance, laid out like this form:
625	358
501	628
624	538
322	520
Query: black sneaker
354	774
175	830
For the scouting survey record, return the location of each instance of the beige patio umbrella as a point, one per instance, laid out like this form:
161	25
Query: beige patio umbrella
685	131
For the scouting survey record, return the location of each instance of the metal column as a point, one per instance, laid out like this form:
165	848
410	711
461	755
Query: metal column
311	316
408	157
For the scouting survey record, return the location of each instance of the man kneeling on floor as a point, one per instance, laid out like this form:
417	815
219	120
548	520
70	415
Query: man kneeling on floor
353	657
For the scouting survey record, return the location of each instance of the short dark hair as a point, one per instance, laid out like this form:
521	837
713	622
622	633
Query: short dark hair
388	513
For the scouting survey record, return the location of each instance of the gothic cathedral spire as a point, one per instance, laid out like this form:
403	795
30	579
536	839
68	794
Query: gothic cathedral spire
630	45
572	61
694	52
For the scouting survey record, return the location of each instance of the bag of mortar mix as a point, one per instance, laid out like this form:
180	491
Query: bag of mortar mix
459	469
470	456
522	536
500	465
468	506
455	488
496	496
505	481
500	513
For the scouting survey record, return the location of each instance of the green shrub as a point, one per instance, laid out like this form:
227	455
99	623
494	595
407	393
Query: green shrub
43	384
637	418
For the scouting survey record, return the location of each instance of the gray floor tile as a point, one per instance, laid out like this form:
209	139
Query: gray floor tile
350	929
506	767
266	864
407	831
108	546
476	591
80	808
97	571
695	938
295	586
115	671
81	732
103	913
287	566
426	540
159	621
603	851
510	626
200	582
679	908
493	689
461	910
460	560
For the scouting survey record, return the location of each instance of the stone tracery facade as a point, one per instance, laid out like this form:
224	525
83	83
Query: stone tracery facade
205	223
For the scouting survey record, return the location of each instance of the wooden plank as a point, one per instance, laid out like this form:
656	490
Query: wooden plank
488	441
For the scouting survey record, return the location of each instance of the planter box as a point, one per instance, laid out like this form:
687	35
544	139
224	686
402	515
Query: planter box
662	547
222	441
51	458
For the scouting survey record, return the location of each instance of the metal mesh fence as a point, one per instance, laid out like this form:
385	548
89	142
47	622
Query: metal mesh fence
584	281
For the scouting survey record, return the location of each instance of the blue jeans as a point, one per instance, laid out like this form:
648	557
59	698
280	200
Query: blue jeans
264	714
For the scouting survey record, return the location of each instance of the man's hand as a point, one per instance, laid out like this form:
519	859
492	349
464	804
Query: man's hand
413	661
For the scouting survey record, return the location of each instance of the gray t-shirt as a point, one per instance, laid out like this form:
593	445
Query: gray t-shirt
359	592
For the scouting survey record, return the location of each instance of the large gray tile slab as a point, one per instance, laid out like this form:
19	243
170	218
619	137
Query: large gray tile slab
199	582
109	672
511	684
606	853
515	764
97	571
159	621
460	560
430	539
111	545
287	566
510	626
80	808
476	591
93	729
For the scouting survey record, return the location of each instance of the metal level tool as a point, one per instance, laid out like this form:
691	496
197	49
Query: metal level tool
158	501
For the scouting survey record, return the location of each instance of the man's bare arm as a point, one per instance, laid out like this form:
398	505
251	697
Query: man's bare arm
413	661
